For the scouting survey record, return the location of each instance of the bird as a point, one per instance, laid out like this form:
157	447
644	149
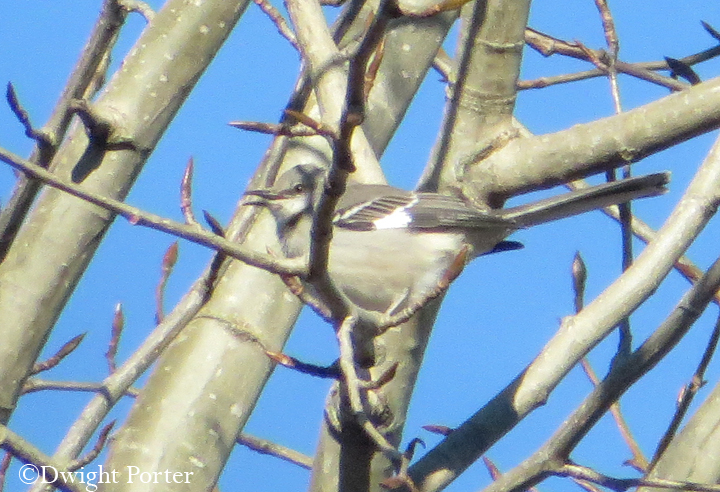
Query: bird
391	248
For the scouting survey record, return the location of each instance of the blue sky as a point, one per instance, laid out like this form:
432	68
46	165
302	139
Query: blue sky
497	316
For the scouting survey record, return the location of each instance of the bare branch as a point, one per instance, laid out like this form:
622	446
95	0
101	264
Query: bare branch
688	395
296	286
23	450
95	451
443	64
608	23
137	217
84	81
579	274
276	17
311	369
625	212
577	335
119	383
622	484
138	6
34	384
104	131
629	69
373	67
40	136
638	461
264	446
646	234
547	45
319	127
553	454
4	465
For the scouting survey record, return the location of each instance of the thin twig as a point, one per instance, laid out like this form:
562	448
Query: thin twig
443	64
321	128
585	485
553	454
138	217
639	461
264	446
343	164
688	395
23	450
626	68
491	468
577	335
280	23
83	83
95	451
373	68
4	465
296	286
340	121
139	7
613	44
442	430
34	384
646	234
622	484
118	384
579	275
285	360
680	69
21	114
611	38
548	45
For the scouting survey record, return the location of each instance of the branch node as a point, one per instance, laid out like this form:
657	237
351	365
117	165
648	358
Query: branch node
103	130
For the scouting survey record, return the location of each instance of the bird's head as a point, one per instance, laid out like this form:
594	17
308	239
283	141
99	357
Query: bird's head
293	196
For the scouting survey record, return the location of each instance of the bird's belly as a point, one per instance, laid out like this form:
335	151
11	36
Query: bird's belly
390	270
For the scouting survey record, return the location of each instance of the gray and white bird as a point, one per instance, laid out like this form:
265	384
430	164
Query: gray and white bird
391	248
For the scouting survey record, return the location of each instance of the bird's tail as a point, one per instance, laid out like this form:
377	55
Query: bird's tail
577	202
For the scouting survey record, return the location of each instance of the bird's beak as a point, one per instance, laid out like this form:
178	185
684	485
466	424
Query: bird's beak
259	197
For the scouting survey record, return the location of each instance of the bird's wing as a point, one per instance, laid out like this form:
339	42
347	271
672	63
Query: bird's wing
419	211
387	210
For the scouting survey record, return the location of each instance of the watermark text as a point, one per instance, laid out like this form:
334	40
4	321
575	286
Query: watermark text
30	474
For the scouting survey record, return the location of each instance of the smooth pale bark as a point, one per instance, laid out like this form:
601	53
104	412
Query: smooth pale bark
59	238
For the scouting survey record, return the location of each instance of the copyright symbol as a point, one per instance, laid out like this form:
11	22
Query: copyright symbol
28	474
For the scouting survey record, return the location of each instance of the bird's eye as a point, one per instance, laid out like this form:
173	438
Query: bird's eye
299	188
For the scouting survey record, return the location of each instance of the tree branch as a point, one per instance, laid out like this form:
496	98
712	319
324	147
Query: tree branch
577	335
137	217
